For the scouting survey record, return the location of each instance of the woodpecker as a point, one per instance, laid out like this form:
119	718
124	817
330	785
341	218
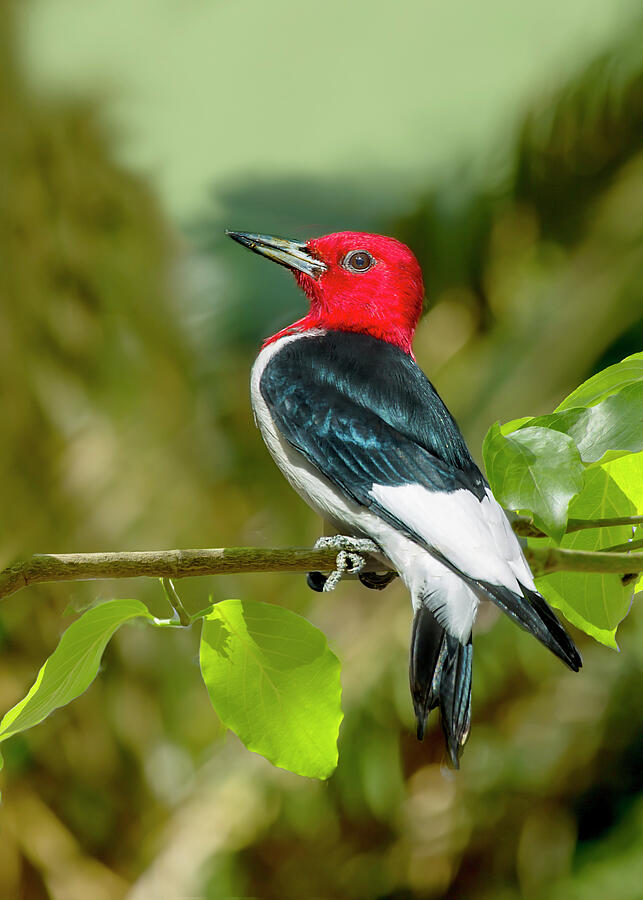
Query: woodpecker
362	435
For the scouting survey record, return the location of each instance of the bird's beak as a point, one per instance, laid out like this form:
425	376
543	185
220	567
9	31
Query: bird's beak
292	254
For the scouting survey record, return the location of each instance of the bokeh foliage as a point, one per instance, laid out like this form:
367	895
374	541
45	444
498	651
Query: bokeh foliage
124	364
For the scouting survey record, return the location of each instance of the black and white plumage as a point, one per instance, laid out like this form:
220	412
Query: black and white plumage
359	431
361	434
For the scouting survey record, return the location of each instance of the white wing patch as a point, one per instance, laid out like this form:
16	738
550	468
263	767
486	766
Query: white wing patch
506	540
474	535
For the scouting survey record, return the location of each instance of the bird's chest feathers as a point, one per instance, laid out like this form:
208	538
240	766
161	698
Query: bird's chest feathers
304	478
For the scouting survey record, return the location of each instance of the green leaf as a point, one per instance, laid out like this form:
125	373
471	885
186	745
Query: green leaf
562	421
273	680
605	383
72	666
515	424
534	469
606	431
615	424
598	602
628	474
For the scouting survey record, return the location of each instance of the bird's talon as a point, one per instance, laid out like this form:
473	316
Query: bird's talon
316	581
375	581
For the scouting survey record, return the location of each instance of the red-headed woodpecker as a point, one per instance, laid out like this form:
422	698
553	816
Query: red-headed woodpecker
361	434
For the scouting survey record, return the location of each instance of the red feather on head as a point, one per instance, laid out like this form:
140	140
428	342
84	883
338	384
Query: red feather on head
384	301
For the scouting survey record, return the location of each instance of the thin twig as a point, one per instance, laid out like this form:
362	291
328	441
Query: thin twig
624	547
544	560
525	527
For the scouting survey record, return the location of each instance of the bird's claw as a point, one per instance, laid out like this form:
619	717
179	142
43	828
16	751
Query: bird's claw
351	553
376	582
316	581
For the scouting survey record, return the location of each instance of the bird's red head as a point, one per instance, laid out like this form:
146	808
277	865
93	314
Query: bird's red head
354	281
372	284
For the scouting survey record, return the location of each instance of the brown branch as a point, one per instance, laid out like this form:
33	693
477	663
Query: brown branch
166	564
234	560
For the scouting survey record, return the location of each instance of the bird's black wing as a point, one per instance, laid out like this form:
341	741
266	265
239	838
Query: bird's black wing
363	412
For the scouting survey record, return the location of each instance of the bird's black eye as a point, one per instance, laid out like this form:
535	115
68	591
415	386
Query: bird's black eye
358	261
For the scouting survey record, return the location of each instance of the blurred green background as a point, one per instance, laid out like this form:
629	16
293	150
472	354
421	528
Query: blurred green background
504	144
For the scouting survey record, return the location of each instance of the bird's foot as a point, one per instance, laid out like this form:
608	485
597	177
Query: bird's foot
351	553
347	544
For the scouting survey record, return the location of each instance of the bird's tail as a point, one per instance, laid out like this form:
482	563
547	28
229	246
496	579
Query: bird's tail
440	675
532	612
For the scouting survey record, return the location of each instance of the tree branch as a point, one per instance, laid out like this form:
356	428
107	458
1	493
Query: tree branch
627	546
234	560
545	560
525	527
166	564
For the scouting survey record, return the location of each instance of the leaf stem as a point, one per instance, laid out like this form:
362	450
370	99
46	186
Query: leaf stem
175	602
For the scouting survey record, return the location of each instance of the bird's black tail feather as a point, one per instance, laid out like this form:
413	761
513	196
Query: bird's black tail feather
440	675
532	613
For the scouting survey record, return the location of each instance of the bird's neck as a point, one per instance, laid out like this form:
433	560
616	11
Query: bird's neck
393	322
398	336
